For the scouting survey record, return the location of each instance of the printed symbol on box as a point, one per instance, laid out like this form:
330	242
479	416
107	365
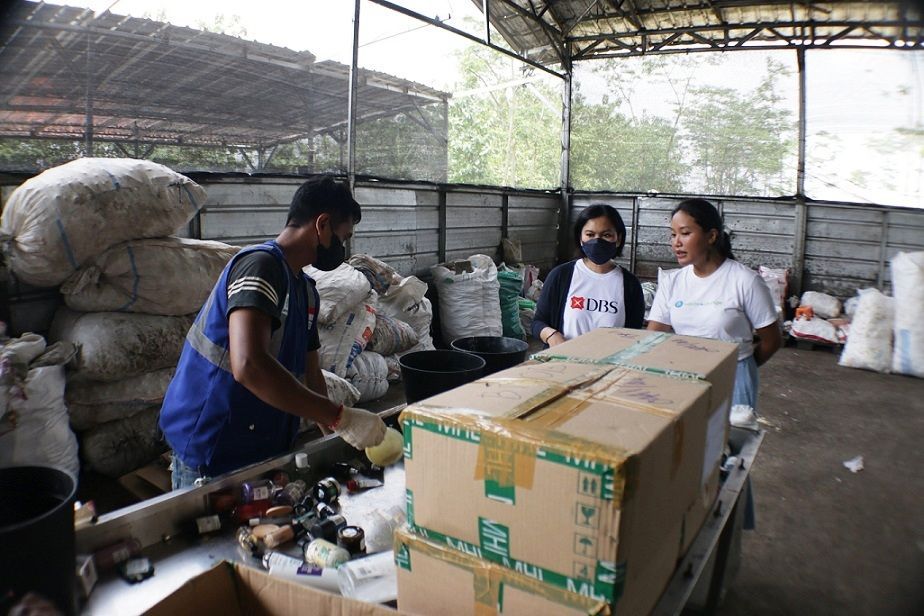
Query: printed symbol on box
586	515
588	484
584	545
583	571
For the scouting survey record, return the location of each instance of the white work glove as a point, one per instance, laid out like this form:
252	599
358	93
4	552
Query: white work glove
360	428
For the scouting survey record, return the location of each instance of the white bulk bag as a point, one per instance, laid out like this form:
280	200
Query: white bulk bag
41	434
908	287
95	402
340	290
62	218
869	344
824	305
369	375
119	447
469	301
345	338
117	345
168	276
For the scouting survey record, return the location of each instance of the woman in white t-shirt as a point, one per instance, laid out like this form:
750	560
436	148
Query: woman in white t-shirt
714	296
592	291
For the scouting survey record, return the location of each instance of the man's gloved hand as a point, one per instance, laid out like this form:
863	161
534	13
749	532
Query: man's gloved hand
359	428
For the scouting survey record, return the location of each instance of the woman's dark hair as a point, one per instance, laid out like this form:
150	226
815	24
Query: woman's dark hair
707	217
597	210
323	195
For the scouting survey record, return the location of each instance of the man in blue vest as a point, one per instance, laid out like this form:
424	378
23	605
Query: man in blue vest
249	370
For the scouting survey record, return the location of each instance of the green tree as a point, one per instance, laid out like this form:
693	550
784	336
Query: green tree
739	142
504	123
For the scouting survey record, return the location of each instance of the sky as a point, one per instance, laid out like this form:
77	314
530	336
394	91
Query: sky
859	96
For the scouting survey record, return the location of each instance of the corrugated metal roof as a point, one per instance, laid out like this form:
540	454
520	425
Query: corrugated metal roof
146	81
556	31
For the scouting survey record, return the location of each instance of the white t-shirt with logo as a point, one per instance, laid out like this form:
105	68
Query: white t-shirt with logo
729	304
594	300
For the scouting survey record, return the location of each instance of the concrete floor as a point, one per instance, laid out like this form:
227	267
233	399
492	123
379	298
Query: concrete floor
829	541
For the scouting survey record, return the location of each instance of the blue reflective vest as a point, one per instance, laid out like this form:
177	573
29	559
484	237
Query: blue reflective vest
212	422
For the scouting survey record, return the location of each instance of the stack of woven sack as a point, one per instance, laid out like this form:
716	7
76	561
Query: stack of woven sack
100	230
369	315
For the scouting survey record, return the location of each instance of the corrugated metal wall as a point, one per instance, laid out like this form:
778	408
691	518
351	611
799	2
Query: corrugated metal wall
401	223
846	247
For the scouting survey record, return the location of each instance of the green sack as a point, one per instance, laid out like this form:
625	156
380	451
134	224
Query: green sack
511	282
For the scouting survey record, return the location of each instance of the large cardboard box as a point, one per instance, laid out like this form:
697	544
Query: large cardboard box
435	579
713	361
577	474
230	589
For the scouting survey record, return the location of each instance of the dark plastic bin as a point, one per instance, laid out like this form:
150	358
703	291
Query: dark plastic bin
37	535
498	352
428	373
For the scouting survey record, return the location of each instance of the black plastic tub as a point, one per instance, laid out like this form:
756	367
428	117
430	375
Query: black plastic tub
37	534
498	352
427	373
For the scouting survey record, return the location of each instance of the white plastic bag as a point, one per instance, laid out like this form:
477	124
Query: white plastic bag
369	375
341	290
776	279
908	286
167	275
91	403
469	300
119	447
869	344
824	305
41	434
394	368
62	218
345	338
406	302
117	345
816	330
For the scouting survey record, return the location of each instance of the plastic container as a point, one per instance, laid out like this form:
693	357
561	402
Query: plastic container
37	534
498	352
372	579
428	373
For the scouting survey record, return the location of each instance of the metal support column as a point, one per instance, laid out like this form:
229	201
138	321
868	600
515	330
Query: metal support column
883	249
564	239
88	120
351	108
442	231
487	21
633	256
801	214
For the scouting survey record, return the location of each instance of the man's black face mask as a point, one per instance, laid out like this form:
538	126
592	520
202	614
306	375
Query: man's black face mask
330	257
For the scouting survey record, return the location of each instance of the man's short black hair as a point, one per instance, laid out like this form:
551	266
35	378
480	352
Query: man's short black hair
323	195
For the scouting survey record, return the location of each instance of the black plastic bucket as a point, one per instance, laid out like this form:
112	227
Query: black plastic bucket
427	373
37	534
498	352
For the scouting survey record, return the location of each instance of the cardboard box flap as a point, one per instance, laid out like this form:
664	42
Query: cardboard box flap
657	352
654	394
489	579
567	374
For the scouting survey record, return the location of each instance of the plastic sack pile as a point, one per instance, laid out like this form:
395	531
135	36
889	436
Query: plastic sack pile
99	229
369	315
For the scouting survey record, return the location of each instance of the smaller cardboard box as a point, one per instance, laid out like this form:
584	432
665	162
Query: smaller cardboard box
713	361
232	589
434	579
